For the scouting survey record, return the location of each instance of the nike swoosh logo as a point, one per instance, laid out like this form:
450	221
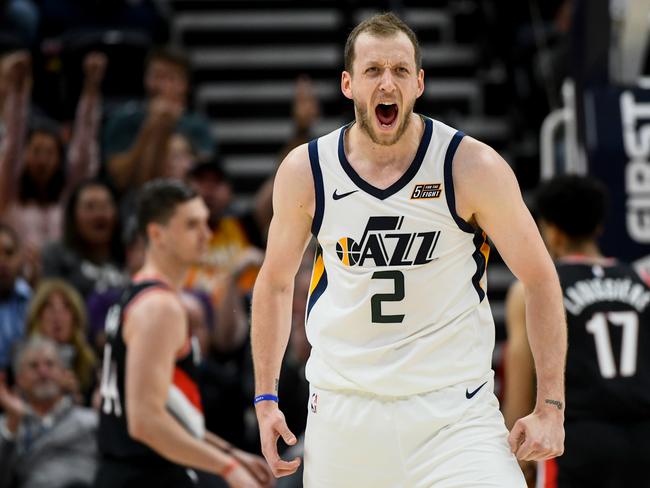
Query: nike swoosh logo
469	394
337	196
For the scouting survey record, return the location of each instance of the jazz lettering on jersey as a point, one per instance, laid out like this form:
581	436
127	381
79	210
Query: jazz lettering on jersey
381	246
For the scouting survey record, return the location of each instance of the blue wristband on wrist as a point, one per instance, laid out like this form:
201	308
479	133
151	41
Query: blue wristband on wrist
267	397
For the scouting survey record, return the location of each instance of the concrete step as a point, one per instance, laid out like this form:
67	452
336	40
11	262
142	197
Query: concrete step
269	130
306	57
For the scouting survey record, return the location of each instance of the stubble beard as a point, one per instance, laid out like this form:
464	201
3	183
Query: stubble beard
366	124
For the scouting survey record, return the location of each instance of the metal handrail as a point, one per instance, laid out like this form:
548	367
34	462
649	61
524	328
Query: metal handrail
554	120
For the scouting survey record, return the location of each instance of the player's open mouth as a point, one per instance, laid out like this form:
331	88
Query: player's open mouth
386	114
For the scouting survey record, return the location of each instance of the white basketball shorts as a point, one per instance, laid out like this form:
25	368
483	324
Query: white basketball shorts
450	438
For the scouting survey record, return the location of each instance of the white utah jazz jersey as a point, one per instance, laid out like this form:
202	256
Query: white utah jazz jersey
397	301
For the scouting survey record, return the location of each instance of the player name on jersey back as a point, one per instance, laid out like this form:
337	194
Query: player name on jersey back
592	290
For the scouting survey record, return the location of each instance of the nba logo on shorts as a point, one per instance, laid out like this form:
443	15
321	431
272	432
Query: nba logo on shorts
313	403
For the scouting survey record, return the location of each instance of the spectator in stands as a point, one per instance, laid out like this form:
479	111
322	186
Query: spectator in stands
58	312
14	294
220	383
222	372
200	317
231	255
90	255
46	441
305	111
34	182
99	302
137	135
180	157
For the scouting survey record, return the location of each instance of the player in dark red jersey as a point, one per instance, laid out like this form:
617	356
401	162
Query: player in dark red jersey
151	429
608	362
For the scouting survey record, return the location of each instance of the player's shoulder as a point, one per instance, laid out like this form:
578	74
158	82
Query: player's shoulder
297	159
156	301
479	173
155	310
474	157
294	175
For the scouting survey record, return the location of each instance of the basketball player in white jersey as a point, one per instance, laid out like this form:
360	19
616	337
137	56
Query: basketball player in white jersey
399	323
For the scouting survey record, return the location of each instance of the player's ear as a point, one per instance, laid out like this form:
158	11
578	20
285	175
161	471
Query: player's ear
346	84
153	231
420	82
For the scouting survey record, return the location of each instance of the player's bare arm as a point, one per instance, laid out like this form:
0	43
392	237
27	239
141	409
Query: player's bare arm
289	233
488	195
519	368
156	332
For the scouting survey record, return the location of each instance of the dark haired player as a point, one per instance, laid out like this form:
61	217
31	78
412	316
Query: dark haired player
151	429
608	363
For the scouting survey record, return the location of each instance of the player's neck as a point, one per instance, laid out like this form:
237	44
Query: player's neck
586	249
361	147
164	270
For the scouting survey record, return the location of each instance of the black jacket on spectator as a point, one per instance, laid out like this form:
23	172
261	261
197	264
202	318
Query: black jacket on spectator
84	275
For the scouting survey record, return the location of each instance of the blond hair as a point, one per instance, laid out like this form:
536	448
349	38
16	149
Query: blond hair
381	25
85	360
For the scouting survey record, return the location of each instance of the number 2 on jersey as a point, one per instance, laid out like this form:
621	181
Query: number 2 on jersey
597	326
396	296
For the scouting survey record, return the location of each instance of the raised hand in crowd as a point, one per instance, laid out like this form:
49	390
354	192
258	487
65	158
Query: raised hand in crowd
13	406
94	67
70	384
17	71
306	108
137	135
15	92
84	151
164	110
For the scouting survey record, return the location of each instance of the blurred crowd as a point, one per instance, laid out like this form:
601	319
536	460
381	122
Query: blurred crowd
93	104
69	242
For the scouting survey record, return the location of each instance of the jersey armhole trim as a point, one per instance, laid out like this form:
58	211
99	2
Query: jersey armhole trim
319	191
449	183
